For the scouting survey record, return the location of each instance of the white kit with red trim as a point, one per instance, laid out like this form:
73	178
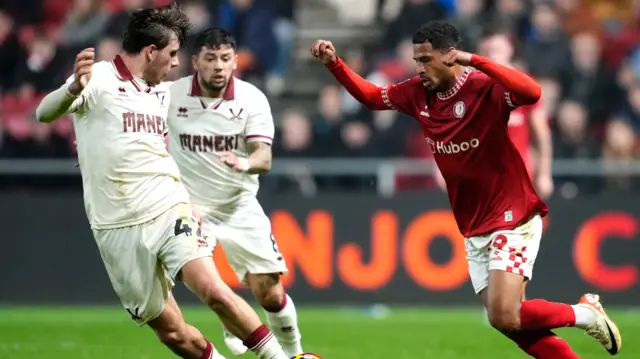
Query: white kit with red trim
120	125
200	127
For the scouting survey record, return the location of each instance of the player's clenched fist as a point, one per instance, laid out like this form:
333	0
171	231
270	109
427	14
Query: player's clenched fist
324	51
454	57
82	70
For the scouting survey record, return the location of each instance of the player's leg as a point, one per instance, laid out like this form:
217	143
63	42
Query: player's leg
513	254
279	308
254	256
144	289
186	255
202	277
183	339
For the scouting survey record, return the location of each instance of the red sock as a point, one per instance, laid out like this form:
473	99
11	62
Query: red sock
540	314
543	344
208	351
258	338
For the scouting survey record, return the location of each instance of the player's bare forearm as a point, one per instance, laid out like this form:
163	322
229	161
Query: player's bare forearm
542	138
259	157
55	105
367	93
524	89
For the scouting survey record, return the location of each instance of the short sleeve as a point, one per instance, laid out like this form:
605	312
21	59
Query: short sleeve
87	99
400	97
259	127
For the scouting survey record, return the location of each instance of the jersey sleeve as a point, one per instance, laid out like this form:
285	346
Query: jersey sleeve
87	99
499	95
259	127
399	97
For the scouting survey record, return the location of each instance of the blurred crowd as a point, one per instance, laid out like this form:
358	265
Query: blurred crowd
584	53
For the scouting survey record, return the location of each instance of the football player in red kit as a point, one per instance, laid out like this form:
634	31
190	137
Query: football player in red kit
462	103
525	123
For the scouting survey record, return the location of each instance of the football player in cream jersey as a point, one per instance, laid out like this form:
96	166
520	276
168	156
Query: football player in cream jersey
136	203
220	133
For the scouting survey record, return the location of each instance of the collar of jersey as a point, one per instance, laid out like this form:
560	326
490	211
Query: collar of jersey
454	90
229	93
125	75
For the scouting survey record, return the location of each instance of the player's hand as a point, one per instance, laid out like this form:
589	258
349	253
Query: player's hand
324	51
440	181
196	215
544	186
454	57
82	70
232	161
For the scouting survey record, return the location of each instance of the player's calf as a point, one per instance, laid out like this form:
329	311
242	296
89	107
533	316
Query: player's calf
237	316
279	308
181	338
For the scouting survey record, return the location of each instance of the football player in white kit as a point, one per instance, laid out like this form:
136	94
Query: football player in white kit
220	133
138	208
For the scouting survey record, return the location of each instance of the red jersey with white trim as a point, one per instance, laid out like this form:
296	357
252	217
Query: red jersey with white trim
200	127
466	127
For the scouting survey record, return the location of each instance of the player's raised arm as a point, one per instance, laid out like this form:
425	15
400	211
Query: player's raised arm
68	97
367	93
523	89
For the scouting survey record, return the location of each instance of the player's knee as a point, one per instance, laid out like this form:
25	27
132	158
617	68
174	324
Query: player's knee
218	296
267	289
504	318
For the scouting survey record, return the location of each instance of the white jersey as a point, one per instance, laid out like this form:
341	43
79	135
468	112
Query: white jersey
200	127
120	124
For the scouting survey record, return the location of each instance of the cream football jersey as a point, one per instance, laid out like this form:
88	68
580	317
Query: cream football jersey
120	123
200	127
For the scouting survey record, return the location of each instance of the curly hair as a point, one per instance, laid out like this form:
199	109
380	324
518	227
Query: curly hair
155	26
440	34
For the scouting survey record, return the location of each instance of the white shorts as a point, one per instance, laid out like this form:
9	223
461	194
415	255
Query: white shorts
512	251
143	261
247	241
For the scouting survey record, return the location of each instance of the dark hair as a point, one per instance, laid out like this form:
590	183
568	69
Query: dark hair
155	26
440	34
214	38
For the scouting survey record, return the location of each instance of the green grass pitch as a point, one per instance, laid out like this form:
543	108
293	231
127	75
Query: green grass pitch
108	333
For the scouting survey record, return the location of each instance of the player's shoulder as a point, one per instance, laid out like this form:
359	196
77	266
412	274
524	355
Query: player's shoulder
181	86
246	90
409	84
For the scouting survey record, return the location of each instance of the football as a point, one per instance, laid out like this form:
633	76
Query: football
306	356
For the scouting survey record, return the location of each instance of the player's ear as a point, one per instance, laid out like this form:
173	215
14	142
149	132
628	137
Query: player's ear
235	61
194	62
149	52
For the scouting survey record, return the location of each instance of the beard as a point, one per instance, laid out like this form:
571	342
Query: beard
214	87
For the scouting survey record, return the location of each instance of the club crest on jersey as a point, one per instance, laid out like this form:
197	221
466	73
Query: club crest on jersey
459	109
235	117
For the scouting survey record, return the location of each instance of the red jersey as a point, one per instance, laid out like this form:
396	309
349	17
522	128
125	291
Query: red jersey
519	132
466	127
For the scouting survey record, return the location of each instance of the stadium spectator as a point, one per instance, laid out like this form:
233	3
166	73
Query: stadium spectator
251	23
85	24
413	13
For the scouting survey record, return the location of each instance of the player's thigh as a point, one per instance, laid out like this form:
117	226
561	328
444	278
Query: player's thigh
183	241
251	251
513	254
137	276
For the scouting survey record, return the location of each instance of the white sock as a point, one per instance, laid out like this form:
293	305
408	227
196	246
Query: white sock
269	348
284	325
584	316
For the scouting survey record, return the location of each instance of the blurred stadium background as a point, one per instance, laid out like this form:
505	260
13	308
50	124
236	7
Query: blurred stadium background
377	264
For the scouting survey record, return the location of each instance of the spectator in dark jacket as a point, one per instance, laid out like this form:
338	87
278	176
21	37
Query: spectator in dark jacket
251	23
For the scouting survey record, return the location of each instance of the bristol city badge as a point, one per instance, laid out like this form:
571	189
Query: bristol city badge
459	109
